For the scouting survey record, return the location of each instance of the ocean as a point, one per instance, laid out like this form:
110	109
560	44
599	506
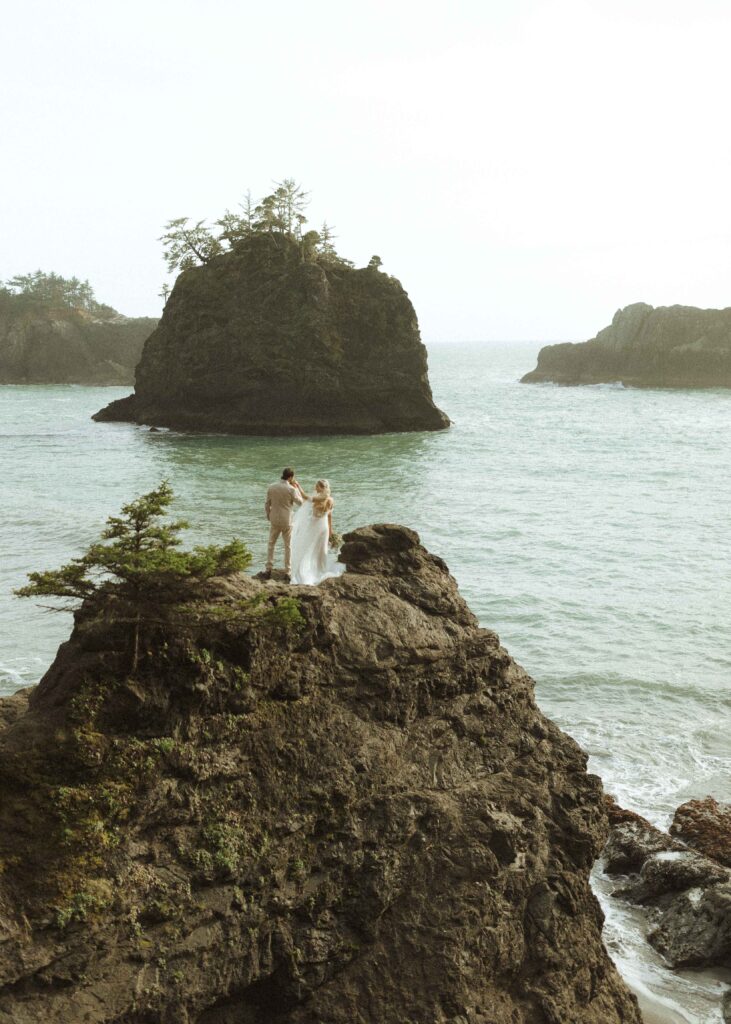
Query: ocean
588	526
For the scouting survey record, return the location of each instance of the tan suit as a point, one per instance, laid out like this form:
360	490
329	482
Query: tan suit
282	498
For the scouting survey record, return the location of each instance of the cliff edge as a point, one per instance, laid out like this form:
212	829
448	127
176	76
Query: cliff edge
351	814
261	341
69	346
666	347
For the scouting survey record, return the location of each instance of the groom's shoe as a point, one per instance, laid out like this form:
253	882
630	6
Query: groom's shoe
267	574
287	578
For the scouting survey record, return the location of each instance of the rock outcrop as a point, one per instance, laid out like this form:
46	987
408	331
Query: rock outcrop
667	347
259	341
688	893
67	346
706	826
360	816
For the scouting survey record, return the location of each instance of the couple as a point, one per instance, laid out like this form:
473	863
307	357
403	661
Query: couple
306	535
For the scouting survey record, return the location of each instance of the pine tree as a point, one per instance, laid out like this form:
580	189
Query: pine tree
138	569
186	246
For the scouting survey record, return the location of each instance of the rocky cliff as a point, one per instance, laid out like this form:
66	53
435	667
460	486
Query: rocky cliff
667	347
361	816
259	341
68	346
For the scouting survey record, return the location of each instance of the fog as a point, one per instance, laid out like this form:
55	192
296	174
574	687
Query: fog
525	168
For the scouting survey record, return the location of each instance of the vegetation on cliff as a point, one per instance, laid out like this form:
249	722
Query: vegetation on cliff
54	331
137	573
281	213
360	816
279	335
41	291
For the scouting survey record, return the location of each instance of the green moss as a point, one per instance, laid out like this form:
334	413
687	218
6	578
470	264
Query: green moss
94	897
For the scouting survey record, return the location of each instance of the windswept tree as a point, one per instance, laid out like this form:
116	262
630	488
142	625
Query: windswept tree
280	213
137	570
186	245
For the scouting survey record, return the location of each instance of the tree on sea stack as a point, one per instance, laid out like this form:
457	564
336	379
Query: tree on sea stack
280	214
138	566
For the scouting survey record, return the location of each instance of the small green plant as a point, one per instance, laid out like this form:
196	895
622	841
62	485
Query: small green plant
165	744
284	613
94	897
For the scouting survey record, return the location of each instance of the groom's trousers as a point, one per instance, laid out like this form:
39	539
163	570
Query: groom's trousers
274	534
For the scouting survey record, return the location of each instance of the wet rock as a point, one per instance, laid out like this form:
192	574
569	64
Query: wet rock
631	842
706	826
691	893
669	872
695	931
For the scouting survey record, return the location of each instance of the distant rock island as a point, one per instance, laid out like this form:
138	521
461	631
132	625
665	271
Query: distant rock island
362	816
667	347
52	331
279	335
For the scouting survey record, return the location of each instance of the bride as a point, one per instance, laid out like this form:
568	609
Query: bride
311	560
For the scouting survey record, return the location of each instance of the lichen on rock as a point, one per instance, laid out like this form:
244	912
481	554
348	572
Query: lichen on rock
358	815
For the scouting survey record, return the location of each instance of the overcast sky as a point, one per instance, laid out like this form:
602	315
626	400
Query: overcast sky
525	167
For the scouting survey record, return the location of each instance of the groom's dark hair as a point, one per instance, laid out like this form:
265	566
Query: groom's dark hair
287	473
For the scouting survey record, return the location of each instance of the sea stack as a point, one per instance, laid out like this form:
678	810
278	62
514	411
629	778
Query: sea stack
262	340
360	816
667	347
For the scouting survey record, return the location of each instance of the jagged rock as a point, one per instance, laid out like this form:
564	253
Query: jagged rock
691	892
667	872
360	819
706	826
667	347
70	347
695	931
259	342
631	842
617	815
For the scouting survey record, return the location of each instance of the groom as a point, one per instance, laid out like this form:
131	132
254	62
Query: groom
282	498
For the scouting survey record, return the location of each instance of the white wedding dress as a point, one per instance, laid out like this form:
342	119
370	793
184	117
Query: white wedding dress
312	558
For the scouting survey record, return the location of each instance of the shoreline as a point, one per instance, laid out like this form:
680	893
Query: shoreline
654	1010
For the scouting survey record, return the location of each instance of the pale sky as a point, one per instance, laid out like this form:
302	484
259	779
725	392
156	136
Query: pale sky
524	167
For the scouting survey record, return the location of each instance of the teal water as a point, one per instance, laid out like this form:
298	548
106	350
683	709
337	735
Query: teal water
588	526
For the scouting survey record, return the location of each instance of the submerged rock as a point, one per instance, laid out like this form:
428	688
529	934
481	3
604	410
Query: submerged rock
362	817
70	346
667	347
258	341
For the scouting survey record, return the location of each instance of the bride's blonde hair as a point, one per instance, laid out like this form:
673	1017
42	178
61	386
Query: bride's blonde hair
320	498
324	487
